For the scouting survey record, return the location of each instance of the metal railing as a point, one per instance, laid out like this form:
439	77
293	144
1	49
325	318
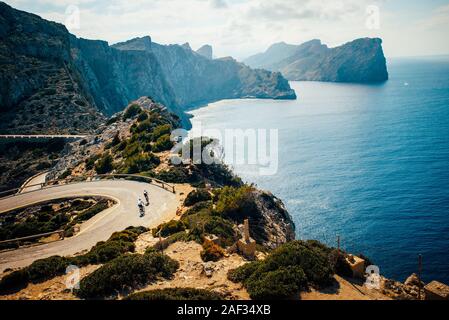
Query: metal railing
36	236
72	180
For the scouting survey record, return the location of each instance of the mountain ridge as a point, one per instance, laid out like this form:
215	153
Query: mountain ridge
361	60
53	82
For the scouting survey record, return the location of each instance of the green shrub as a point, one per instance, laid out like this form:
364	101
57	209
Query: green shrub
144	126
116	140
176	294
132	111
244	272
205	222
211	251
126	272
160	131
163	143
40	270
65	174
44	269
142	117
196	196
90	162
169	228
164	244
112	120
286	270
92	211
141	162
198	207
174	175
282	283
104	165
131	149
236	203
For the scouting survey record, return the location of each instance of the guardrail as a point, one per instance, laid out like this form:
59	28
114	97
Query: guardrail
72	180
42	136
41	235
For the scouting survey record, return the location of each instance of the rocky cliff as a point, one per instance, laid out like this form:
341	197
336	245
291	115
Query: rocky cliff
206	51
51	81
40	89
199	80
361	60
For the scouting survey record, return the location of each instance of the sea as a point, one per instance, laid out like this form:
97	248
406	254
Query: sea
368	164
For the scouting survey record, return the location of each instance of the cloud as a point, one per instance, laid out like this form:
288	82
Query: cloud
236	27
218	4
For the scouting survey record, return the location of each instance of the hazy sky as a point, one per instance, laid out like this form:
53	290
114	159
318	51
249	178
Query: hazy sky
244	27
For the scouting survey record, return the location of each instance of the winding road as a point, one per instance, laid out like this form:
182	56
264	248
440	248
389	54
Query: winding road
163	205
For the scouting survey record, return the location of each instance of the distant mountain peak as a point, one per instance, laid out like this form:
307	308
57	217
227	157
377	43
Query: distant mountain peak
186	46
139	43
361	60
206	51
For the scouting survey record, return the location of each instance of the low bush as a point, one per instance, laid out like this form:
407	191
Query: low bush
165	243
198	207
142	117
163	143
105	164
124	273
132	111
282	283
141	162
211	251
161	130
169	228
286	270
174	175
205	222
40	270
196	196
95	209
176	294
236	203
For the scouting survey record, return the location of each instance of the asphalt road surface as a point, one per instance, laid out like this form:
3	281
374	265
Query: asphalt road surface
125	213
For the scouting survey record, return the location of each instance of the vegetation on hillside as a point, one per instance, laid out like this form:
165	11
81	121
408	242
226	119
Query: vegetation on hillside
49	216
287	270
126	272
175	294
40	270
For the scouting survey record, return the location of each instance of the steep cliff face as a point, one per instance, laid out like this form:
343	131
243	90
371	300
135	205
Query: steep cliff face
40	89
115	77
51	81
361	60
206	51
196	79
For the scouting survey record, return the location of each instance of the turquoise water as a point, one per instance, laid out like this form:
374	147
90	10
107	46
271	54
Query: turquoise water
367	162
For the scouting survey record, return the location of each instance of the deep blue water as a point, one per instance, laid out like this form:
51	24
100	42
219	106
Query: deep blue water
367	162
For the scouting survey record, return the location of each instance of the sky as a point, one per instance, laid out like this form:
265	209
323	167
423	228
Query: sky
240	28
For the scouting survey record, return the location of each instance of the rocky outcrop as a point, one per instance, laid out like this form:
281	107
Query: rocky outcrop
40	89
360	61
403	291
206	51
198	80
274	225
52	81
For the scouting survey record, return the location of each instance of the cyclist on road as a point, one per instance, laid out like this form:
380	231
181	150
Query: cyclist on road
147	198
141	207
